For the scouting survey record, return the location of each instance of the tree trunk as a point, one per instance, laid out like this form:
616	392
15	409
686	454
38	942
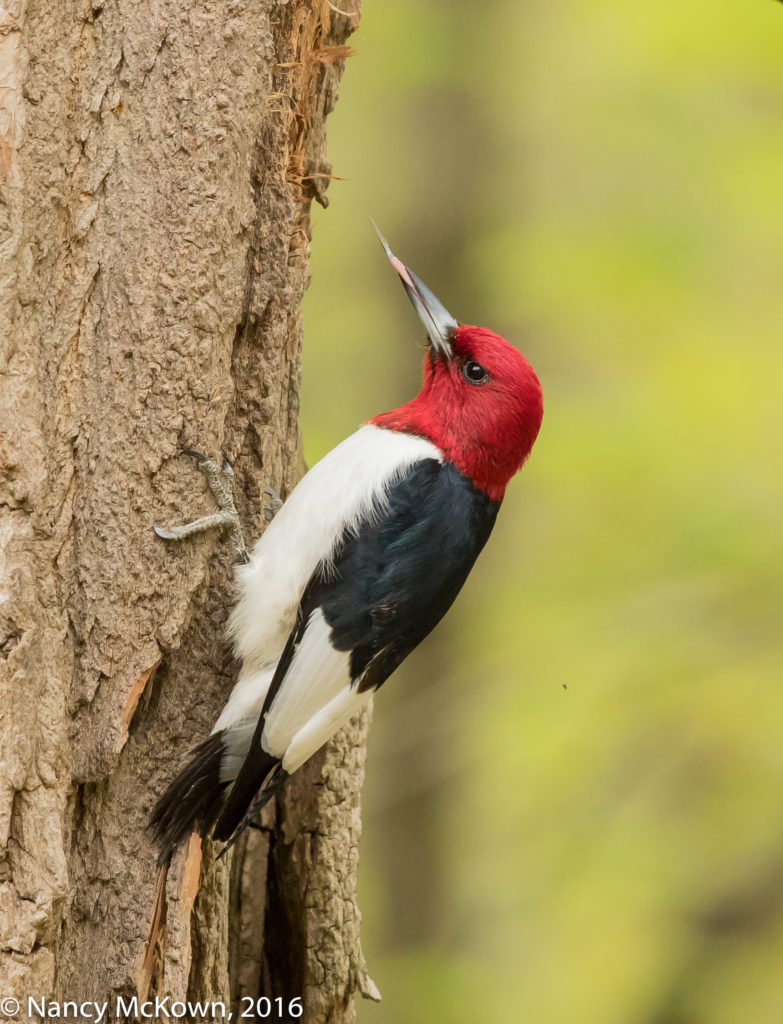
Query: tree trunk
157	163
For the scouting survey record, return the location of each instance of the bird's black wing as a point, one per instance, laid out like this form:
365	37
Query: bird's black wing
393	580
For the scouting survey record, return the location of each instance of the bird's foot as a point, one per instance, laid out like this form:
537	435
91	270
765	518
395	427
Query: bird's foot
220	480
270	511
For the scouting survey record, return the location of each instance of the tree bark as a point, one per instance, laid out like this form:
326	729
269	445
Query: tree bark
157	164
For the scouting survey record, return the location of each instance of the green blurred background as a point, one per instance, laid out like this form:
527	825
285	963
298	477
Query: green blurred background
574	804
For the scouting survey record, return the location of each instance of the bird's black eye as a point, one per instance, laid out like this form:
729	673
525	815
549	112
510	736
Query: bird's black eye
474	372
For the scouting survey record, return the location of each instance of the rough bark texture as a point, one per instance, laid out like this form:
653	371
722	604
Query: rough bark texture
157	161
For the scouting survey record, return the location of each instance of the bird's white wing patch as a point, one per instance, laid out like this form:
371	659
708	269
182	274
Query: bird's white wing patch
314	700
317	674
322	726
347	486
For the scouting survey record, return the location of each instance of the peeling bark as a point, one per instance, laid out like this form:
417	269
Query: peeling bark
157	163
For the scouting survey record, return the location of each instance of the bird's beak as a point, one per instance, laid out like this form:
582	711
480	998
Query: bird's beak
437	320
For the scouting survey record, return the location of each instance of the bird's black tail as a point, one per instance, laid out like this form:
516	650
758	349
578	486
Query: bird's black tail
193	800
220	784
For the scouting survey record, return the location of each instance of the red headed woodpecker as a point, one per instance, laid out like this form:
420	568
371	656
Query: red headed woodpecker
360	563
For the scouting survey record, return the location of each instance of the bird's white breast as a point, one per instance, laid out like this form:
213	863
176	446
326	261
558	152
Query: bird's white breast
347	486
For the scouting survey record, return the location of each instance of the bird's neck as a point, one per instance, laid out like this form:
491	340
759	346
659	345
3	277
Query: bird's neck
486	463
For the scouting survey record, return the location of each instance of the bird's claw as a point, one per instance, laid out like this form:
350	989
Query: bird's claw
196	455
164	534
270	511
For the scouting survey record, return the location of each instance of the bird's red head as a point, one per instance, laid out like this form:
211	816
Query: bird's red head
481	401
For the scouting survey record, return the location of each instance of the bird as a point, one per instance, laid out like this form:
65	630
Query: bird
356	568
